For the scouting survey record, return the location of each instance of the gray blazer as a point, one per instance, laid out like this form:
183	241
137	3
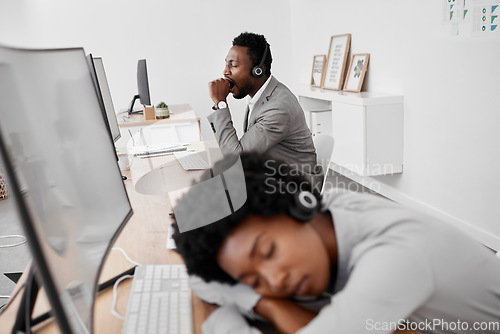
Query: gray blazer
277	127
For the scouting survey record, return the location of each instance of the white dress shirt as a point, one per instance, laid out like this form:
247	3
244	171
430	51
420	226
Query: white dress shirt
253	100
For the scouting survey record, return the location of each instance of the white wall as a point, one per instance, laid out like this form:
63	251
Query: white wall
451	85
184	42
451	89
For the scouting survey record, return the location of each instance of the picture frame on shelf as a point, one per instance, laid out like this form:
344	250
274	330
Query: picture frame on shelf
356	73
318	70
338	54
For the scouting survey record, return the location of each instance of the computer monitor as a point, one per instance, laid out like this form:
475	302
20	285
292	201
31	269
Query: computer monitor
142	86
62	173
101	83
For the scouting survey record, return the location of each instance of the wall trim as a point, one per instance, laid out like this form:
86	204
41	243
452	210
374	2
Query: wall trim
484	237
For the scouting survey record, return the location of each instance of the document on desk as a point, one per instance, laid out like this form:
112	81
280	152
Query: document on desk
156	148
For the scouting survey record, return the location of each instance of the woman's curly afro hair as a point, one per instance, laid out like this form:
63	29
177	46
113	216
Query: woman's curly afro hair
270	187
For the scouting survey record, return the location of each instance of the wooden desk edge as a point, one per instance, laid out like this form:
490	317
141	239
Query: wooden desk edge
154	121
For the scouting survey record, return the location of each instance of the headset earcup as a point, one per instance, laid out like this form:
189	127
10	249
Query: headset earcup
257	72
304	207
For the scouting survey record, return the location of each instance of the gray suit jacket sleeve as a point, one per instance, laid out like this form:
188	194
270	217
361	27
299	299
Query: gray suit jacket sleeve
271	128
276	127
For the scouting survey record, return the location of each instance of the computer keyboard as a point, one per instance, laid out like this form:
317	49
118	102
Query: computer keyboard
191	160
160	301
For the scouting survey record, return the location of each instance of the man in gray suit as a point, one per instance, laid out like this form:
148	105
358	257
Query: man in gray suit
274	122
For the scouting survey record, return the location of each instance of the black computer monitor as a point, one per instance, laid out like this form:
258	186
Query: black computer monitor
142	87
101	83
62	173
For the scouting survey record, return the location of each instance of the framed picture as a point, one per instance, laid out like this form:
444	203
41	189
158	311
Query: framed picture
357	71
317	70
337	60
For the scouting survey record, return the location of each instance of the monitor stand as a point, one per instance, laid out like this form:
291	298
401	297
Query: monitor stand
131	107
118	159
24	321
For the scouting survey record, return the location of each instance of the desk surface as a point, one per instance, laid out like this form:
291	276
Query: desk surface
143	238
159	175
178	113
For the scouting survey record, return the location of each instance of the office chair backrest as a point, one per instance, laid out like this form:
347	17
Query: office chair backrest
324	150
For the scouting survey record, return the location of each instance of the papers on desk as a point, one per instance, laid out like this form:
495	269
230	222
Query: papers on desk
156	149
153	147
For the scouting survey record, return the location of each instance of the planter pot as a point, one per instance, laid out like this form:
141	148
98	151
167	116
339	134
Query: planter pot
162	113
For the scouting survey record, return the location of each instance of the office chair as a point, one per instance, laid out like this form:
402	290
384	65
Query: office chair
324	150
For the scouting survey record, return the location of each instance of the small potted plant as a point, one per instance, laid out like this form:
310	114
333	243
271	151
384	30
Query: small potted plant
161	111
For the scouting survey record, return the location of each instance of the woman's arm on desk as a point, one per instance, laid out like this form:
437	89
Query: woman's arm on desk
289	317
285	315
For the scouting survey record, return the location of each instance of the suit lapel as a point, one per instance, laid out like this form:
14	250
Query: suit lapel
245	120
258	107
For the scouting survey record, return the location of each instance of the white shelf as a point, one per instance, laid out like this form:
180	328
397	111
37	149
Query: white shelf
362	99
367	128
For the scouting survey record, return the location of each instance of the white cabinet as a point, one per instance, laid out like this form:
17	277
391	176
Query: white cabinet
368	139
321	122
367	128
318	115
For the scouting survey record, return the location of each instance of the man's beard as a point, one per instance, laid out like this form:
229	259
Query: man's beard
243	91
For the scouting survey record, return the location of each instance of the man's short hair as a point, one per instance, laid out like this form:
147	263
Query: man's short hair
256	45
270	185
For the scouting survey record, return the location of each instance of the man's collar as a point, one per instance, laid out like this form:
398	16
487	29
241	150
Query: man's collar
255	98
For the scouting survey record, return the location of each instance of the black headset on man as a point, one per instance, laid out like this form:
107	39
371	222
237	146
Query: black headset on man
258	71
305	205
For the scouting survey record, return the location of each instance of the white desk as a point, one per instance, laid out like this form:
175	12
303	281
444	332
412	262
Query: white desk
159	175
182	125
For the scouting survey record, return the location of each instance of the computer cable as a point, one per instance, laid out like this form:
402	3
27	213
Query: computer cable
103	286
131	137
13	236
126	256
115	297
115	285
113	281
14	295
